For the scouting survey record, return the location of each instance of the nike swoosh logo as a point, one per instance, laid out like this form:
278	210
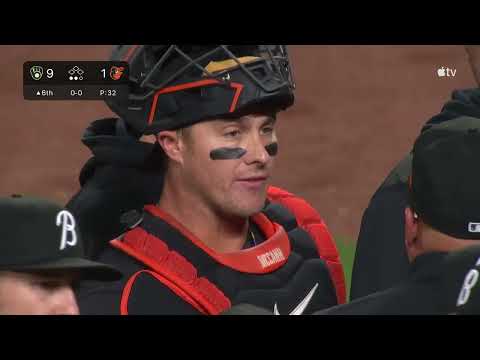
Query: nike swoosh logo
301	306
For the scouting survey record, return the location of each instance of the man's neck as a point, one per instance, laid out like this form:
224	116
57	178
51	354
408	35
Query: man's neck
219	232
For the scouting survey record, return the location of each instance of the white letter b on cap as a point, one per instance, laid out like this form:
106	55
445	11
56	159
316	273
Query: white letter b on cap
67	221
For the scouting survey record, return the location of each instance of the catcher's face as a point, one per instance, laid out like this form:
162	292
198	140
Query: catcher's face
228	163
36	294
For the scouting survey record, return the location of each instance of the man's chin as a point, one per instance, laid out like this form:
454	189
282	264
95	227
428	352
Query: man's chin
251	209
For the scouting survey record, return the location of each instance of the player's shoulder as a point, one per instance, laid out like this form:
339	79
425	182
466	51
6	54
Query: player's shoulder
405	298
460	280
140	291
306	218
300	207
309	220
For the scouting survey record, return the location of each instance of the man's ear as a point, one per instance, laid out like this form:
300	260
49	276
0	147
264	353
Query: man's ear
411	233
170	141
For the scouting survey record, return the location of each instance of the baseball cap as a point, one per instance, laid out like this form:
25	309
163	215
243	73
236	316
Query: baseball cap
461	281
39	235
445	180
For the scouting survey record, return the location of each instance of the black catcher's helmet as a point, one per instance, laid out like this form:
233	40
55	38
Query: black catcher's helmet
175	86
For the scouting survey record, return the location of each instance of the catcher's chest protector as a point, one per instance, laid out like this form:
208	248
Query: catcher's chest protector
286	273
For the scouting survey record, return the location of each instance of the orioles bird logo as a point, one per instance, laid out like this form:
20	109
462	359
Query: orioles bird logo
116	72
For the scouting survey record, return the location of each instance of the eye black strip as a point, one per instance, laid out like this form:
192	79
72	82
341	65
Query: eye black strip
226	153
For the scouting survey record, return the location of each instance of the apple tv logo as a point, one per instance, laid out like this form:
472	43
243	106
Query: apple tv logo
446	72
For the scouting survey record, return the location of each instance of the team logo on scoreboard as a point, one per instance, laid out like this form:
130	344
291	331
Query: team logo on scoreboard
36	72
116	72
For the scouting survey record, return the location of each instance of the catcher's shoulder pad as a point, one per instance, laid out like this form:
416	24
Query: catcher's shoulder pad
310	220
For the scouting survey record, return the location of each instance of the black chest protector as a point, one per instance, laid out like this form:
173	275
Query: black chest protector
168	271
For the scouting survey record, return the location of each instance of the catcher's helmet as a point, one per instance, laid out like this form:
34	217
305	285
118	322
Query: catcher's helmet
174	86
